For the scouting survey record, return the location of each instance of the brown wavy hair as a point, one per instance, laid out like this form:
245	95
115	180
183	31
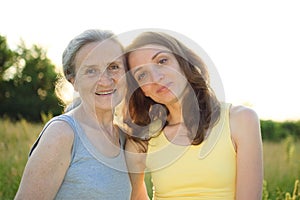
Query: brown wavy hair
198	117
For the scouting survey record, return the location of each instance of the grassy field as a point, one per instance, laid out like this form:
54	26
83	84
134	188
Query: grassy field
281	161
282	167
16	140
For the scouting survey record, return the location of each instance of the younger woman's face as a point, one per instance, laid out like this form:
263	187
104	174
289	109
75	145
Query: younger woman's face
158	73
100	74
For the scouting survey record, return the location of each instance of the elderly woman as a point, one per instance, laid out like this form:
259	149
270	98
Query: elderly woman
79	154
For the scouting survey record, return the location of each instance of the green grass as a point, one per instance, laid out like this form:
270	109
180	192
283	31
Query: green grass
281	167
281	161
16	140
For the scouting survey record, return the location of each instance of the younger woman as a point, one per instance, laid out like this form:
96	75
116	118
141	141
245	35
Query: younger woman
195	146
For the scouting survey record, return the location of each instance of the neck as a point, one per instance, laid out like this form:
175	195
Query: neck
98	123
175	113
104	117
96	117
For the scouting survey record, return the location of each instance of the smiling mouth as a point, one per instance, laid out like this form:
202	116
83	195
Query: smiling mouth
105	92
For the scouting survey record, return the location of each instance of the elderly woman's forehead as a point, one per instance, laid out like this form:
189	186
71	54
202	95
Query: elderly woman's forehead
99	50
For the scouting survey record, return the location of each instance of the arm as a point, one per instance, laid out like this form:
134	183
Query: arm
136	165
46	167
245	130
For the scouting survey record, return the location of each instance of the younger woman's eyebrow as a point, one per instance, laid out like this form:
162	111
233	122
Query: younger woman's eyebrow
159	52
153	57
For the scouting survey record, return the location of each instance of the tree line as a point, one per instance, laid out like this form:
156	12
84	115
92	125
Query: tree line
27	82
27	89
276	131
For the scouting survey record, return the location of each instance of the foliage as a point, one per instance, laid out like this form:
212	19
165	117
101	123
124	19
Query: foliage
276	131
6	57
27	83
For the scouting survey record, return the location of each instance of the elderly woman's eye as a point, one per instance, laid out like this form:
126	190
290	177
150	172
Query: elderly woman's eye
141	76
113	67
91	71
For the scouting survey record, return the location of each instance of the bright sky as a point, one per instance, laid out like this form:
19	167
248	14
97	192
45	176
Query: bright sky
254	44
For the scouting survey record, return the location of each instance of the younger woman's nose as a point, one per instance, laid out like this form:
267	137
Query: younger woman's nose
156	74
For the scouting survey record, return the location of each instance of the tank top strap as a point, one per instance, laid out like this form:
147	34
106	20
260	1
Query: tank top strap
216	131
66	118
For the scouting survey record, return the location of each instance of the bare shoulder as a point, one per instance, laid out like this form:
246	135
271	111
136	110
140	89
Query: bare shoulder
57	136
135	157
136	146
242	113
131	145
50	160
244	123
59	130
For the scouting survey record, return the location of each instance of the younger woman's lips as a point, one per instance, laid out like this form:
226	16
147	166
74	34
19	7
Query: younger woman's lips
164	88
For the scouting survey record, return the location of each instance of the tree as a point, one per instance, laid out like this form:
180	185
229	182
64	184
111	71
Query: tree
28	85
6	57
6	60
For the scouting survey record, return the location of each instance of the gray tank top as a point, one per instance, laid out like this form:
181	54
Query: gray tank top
91	175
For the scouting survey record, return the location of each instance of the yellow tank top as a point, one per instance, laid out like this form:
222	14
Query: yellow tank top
205	171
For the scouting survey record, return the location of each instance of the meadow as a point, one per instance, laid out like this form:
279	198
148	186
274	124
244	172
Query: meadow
281	161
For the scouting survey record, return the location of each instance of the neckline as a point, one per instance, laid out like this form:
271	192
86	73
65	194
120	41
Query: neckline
167	141
92	149
175	124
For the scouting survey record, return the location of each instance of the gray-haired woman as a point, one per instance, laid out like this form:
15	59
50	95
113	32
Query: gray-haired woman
79	154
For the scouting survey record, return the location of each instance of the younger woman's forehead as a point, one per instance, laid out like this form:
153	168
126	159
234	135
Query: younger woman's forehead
146	54
149	47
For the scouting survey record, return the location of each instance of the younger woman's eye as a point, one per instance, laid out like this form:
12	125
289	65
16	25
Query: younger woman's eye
162	61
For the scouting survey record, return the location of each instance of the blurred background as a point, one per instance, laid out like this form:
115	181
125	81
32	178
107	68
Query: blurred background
254	47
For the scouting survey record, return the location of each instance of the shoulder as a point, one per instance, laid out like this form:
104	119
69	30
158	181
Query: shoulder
242	114
57	135
135	156
244	123
136	146
50	159
59	129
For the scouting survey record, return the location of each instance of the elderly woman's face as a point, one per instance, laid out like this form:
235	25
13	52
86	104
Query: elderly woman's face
100	74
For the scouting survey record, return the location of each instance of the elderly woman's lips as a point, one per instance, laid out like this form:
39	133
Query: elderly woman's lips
106	92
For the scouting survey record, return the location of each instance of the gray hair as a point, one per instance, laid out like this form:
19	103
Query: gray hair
69	54
88	36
